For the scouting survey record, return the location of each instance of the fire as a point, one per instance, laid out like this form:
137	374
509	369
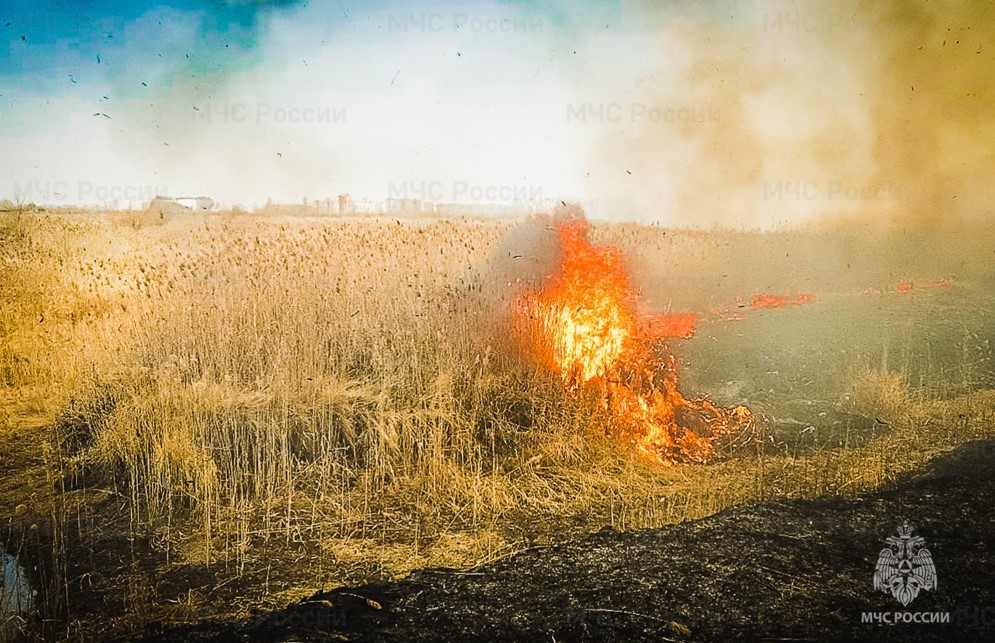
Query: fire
905	287
672	325
763	300
586	324
585	312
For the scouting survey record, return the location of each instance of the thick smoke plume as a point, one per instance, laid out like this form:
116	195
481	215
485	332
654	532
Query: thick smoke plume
788	111
931	103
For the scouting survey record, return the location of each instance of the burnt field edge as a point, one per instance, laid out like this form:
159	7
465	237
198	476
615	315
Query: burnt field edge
792	569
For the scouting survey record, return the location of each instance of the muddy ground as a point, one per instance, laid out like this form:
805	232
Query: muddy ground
794	570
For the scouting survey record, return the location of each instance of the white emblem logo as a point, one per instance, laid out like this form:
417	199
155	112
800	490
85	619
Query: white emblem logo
904	566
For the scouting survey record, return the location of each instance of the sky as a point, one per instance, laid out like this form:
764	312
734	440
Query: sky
692	113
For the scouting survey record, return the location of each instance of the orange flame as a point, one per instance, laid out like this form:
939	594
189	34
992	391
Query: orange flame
763	300
584	324
584	313
671	325
905	287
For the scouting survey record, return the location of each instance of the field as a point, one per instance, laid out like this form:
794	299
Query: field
211	415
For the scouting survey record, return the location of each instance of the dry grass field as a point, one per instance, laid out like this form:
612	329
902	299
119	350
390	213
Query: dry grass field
218	413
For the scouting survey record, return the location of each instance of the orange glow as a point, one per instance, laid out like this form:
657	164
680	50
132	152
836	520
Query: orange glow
671	325
763	300
583	323
584	313
906	287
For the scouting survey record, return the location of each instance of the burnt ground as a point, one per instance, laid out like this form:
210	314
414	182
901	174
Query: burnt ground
790	570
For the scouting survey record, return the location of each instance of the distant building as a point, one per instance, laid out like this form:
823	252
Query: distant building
394	205
368	206
196	202
483	209
325	206
178	205
346	206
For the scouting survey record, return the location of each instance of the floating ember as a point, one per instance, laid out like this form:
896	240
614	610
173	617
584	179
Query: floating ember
583	323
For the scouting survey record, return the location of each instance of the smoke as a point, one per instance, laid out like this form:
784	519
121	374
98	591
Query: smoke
931	105
180	100
526	255
791	111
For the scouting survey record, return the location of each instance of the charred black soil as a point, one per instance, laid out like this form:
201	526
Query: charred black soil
791	570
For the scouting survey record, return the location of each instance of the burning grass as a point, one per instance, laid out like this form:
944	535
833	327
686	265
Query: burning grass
586	324
245	406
